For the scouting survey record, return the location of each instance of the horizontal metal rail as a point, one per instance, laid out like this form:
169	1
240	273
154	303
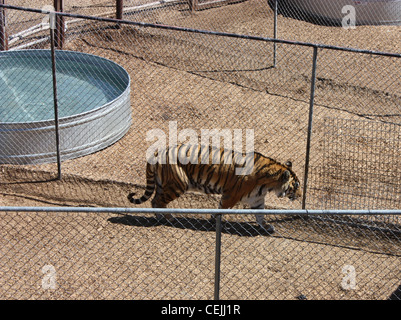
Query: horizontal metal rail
199	211
216	33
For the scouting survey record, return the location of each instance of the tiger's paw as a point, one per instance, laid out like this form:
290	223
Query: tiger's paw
268	228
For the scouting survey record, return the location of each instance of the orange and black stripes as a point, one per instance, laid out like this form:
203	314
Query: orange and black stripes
214	171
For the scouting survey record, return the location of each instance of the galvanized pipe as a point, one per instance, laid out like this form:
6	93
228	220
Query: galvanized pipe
215	33
217	260
275	33
3	29
119	9
55	100
199	211
59	24
310	122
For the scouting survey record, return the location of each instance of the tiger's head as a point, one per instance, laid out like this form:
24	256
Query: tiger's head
290	186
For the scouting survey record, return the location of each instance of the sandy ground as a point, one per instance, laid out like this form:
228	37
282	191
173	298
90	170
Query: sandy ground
208	82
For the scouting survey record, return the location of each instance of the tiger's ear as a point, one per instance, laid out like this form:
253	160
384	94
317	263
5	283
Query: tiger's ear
289	164
286	176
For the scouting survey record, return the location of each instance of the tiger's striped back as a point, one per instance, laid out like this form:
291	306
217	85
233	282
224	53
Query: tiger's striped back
216	171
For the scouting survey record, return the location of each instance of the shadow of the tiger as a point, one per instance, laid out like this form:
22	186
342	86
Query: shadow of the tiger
244	229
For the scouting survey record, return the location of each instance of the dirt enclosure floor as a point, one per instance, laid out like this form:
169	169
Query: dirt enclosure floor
207	82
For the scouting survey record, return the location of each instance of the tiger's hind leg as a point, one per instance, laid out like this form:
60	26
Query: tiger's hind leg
157	203
163	197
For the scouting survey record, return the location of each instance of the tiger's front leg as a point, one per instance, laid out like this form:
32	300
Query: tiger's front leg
259	204
260	219
226	202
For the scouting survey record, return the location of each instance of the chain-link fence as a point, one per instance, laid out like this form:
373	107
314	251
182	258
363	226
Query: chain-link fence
186	80
294	19
106	255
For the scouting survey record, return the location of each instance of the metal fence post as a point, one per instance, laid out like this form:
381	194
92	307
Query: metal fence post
59	24
193	4
275	33
217	258
119	9
308	140
53	17
3	28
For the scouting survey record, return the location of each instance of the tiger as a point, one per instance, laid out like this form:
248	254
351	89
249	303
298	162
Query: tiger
211	170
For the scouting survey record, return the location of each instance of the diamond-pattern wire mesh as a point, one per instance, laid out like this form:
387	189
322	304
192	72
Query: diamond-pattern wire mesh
357	127
22	102
135	266
339	13
108	256
363	149
292	22
210	77
303	263
200	82
356	24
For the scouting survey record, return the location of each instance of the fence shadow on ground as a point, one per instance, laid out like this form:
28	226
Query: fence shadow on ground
396	295
243	229
347	232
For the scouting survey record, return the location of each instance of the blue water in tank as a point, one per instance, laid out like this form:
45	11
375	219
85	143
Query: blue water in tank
26	87
93	105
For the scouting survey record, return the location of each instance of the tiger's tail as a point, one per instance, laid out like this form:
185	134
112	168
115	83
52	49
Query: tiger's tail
150	186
